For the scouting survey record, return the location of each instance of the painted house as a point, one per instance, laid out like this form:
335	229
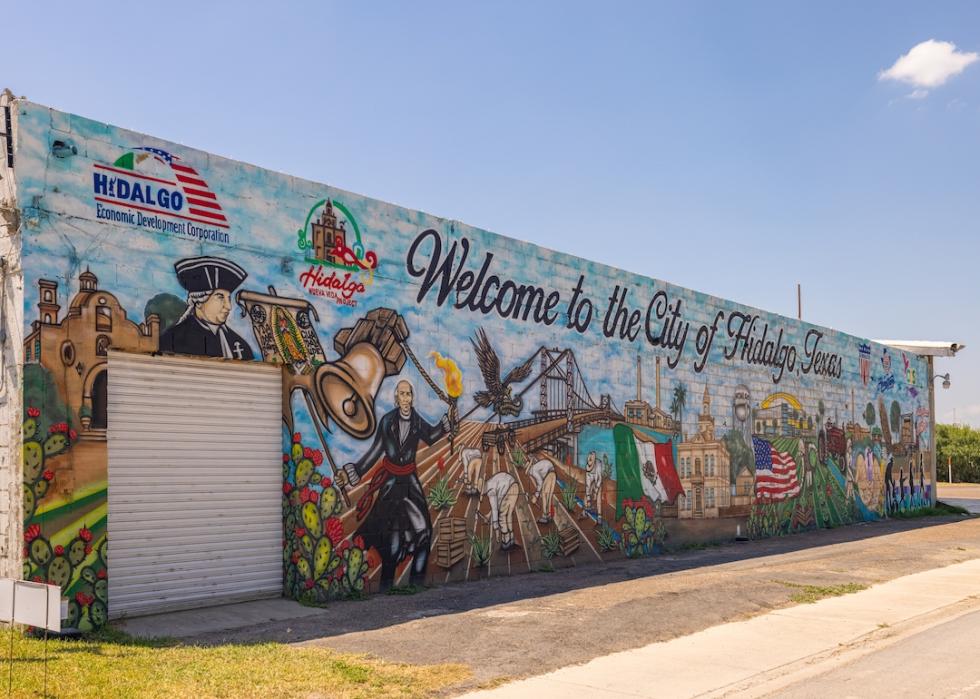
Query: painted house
248	384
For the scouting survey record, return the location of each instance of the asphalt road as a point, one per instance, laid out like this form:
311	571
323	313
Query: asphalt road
529	624
966	495
939	662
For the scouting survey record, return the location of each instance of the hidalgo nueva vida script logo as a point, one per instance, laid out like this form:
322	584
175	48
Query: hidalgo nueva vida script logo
339	269
150	188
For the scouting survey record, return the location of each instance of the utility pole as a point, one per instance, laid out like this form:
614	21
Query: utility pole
799	302
949	465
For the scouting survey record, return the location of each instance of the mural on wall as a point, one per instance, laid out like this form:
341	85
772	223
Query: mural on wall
202	329
456	405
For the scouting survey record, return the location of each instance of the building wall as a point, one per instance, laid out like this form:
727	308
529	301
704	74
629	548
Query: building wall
11	361
527	354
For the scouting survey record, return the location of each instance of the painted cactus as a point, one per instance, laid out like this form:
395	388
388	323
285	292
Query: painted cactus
321	560
643	531
76	557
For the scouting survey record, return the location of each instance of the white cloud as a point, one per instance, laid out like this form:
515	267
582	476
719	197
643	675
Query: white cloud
927	65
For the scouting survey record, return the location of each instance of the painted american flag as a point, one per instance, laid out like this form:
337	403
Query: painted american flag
200	199
775	472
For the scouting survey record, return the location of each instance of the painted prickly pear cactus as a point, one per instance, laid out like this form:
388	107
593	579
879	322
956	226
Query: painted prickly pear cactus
643	531
74	555
321	561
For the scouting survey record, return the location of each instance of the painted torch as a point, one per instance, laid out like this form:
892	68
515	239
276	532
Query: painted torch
453	380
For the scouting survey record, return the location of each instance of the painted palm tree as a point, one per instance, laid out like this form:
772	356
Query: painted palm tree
678	404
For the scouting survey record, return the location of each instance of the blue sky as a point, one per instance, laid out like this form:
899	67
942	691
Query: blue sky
733	149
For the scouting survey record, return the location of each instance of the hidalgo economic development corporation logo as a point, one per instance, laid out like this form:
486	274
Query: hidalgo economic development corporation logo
151	188
340	266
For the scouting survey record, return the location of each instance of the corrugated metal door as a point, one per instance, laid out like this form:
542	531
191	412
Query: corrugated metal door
195	482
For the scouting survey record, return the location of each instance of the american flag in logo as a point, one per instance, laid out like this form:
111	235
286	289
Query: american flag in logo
775	472
200	199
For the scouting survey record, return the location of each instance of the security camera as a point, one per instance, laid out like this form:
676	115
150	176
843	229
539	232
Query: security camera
60	149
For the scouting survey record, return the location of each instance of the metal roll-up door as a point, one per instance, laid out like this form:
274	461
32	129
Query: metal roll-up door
195	482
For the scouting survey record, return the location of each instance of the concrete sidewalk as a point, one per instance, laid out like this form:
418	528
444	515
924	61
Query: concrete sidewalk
758	656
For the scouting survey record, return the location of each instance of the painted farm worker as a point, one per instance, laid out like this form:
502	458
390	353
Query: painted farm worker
502	491
473	466
202	330
593	484
394	510
543	474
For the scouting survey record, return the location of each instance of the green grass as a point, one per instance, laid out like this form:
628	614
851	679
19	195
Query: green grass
405	589
940	510
808	594
113	665
696	546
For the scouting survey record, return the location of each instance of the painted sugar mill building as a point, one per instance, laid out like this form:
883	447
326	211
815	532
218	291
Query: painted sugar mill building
245	384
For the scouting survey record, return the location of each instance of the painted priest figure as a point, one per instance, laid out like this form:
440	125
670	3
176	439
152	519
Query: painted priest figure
394	510
209	282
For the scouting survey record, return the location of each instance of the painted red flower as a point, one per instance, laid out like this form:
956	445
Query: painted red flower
37	578
326	482
33	412
88	549
309	583
83	599
72	435
59	550
285	458
304	495
101	575
299	532
85	534
297	438
314	496
48	475
32	532
307	453
287	488
295	557
359	541
334	529
316	456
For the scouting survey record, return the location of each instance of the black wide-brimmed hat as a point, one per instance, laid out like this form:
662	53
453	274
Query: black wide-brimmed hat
209	274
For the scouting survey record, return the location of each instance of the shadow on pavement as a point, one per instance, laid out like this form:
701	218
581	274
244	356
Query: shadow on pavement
381	611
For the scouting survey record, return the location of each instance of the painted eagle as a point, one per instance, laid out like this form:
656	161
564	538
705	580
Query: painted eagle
498	393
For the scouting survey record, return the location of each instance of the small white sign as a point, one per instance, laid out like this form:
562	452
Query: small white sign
34	604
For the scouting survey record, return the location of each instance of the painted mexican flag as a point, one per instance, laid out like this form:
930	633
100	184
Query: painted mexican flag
657	482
